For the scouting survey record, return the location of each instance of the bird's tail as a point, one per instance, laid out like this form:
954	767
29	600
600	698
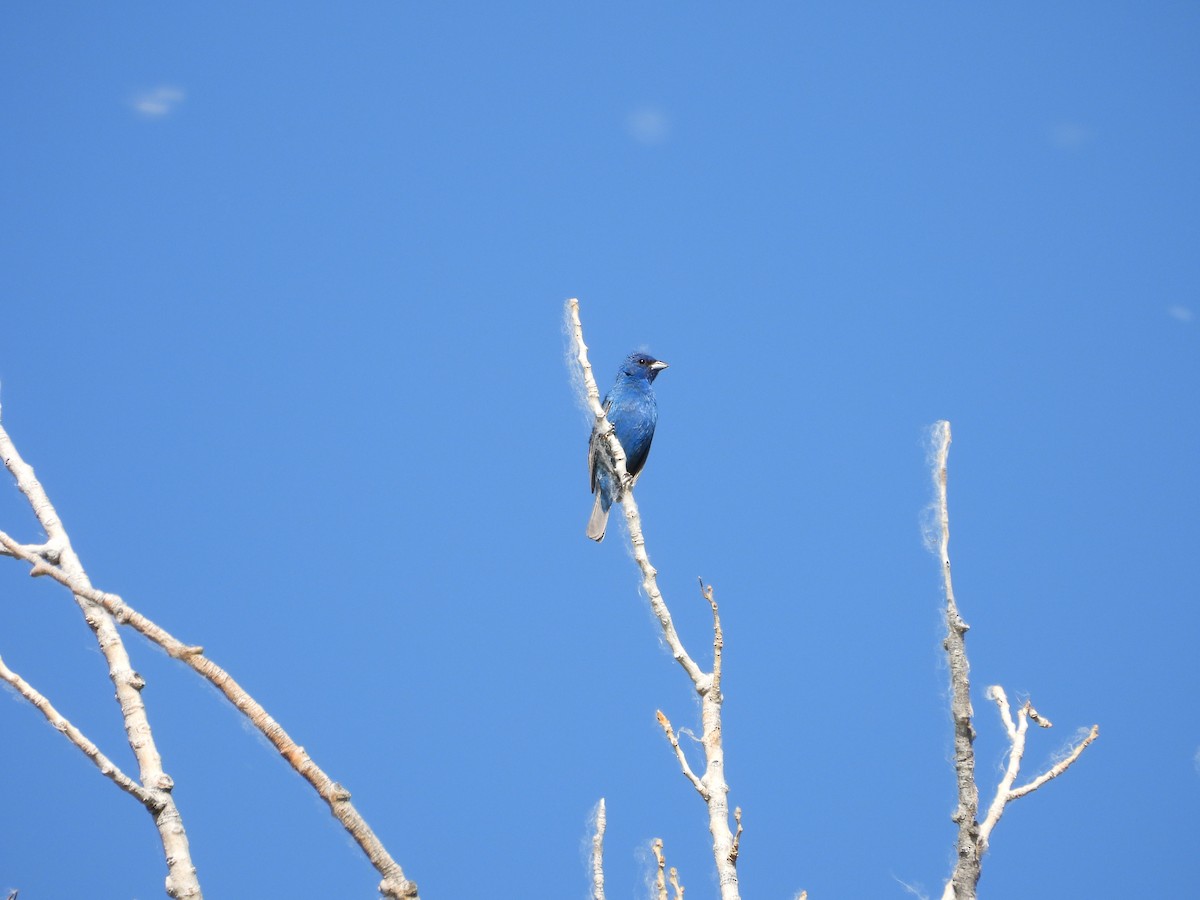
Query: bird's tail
599	520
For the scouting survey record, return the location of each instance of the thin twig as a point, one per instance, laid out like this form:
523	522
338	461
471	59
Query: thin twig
394	883
107	767
598	853
665	724
1057	769
182	882
673	880
737	835
1016	739
660	881
46	551
718	635
1005	792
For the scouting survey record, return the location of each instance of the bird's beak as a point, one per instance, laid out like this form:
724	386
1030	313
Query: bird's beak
657	366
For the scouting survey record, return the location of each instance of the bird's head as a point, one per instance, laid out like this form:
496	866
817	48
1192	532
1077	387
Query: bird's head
642	365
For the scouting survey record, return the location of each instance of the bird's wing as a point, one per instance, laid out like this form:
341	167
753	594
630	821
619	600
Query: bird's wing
596	448
635	459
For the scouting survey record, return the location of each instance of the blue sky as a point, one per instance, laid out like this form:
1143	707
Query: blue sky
283	295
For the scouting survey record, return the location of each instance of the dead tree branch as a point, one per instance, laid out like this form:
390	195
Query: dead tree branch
711	786
182	882
973	836
103	612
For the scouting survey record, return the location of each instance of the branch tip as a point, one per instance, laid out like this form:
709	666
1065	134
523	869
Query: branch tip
601	822
1041	721
737	837
712	788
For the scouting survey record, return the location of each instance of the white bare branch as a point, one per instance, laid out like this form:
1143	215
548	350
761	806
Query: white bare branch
1005	792
660	880
104	611
649	574
394	883
1016	750
182	882
107	767
966	872
598	852
712	786
665	724
663	877
973	836
1058	769
676	887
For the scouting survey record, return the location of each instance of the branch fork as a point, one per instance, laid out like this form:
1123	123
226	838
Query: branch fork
712	786
103	612
973	836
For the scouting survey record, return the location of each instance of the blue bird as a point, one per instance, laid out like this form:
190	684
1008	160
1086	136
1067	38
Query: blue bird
631	409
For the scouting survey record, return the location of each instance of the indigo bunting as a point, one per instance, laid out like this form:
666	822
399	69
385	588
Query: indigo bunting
631	409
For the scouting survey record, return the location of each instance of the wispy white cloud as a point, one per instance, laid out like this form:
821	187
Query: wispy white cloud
157	102
648	125
1071	135
1180	313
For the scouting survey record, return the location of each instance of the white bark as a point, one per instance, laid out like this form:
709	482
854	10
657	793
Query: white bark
665	876
182	882
966	871
104	611
598	852
973	836
1005	792
107	767
711	786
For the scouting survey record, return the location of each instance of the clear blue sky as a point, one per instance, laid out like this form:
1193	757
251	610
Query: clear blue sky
282	292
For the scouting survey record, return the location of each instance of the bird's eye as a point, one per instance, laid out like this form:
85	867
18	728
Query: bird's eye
643	361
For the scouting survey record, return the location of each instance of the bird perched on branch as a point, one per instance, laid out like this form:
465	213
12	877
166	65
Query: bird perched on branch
631	409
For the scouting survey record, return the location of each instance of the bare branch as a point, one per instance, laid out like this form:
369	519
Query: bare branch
102	611
394	883
46	551
718	636
1005	793
1040	721
699	678
737	836
1016	737
112	604
660	881
973	836
672	877
665	724
966	872
182	882
712	786
1058	769
598	853
107	767
996	693
676	887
